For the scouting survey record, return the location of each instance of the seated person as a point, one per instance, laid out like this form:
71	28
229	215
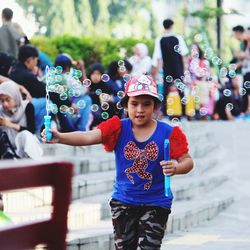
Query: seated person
18	121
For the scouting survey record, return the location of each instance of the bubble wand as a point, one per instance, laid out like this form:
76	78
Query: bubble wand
167	178
47	117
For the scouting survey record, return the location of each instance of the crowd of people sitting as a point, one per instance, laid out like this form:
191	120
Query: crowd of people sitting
197	95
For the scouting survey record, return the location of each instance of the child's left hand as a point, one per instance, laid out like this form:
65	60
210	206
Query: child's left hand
169	167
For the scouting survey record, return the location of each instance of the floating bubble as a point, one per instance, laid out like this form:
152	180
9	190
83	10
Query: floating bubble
63	109
232	66
229	106
104	115
58	78
175	121
120	94
170	112
98	91
121	63
170	101
242	91
71	92
59	88
169	78
160	97
59	69
191	112
105	106
77	92
184	100
246	84
216	60
232	73
227	92
77	73
81	104
75	83
94	107
53	108
126	77
86	82
119	105
52	70
105	78
71	111
63	96
177	49
203	111
208	53
51	88
197	99
198	38
223	72
122	69
104	97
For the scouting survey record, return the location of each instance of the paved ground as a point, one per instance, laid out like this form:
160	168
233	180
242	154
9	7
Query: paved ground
231	229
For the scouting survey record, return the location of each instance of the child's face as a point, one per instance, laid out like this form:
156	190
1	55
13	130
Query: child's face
95	77
140	109
7	102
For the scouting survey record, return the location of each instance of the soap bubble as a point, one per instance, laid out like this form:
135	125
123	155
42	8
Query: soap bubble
203	111
63	109
175	121
105	78
59	69
126	77
105	106
118	105
177	49
77	73
104	97
170	112
246	84
120	94
86	82
242	91
81	104
63	96
105	115
94	108
122	69
229	106
121	63
53	108
232	73
169	78
98	91
227	92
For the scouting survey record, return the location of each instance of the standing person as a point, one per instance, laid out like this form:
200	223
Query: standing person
139	206
10	35
244	57
169	53
17	120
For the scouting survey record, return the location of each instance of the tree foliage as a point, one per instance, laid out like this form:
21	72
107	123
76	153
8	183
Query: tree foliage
93	17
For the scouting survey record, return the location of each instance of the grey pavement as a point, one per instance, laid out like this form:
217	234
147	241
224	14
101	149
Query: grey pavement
230	230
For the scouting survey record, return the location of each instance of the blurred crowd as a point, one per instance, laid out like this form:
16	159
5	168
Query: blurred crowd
189	87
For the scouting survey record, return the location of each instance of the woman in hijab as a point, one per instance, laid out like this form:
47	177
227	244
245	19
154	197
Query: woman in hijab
18	121
140	61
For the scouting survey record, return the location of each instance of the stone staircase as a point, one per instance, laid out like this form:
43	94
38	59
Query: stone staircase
199	196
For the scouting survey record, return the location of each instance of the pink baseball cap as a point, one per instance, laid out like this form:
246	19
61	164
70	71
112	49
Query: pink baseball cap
142	85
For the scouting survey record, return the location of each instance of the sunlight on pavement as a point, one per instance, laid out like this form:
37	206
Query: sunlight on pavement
199	239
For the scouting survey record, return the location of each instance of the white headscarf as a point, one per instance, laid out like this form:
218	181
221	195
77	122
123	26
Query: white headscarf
17	115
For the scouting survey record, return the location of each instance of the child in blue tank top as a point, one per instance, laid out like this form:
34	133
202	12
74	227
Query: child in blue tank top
139	206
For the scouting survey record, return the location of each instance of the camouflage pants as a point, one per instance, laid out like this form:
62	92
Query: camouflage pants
138	227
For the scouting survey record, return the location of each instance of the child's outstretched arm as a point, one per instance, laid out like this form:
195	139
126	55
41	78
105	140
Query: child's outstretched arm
77	138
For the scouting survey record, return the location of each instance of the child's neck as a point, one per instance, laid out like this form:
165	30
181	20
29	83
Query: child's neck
143	133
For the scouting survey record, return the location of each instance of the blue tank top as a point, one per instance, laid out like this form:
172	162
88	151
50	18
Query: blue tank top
139	176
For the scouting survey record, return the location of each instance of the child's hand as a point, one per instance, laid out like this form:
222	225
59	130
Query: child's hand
5	122
55	136
169	167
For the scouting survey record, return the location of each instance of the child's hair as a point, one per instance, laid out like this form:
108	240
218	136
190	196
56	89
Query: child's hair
26	52
7	14
96	66
167	23
113	69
